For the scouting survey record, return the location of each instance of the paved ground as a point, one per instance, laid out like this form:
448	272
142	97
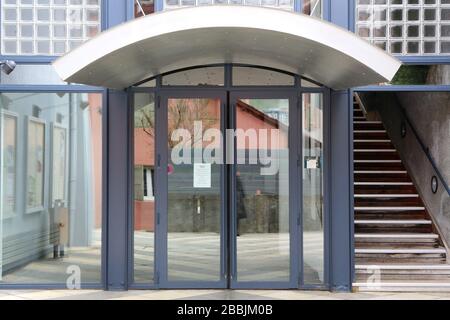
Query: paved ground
211	295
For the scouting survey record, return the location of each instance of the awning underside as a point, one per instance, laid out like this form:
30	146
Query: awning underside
184	38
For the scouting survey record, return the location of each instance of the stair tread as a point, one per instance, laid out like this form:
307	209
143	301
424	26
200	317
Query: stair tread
377	161
380	208
404	283
380	171
372	140
402	266
397	235
403	250
371	122
387	195
402	221
382	183
374	150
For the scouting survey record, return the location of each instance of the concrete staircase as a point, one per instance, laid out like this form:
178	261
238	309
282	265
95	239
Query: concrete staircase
397	245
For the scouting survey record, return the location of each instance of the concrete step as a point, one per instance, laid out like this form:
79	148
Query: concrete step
403	286
387	201
372	144
387	196
391	251
376	154
393	226
390	208
367	125
396	239
370	134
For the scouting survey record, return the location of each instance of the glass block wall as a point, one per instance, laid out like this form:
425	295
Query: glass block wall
405	27
47	27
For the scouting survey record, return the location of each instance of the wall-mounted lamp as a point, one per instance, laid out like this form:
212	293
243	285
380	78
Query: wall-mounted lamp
434	184
8	66
403	129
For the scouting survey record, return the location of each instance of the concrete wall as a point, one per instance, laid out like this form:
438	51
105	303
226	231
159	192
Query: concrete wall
429	113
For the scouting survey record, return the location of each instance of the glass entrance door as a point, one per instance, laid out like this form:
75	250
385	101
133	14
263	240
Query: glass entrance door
239	202
262	189
191	167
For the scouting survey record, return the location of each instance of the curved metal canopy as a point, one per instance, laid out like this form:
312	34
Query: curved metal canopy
176	39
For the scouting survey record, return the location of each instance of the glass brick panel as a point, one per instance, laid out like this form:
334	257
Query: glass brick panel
405	27
47	27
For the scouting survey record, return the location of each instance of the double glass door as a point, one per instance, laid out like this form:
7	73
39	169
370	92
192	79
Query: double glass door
228	185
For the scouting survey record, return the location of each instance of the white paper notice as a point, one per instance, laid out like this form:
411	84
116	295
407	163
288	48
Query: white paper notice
202	175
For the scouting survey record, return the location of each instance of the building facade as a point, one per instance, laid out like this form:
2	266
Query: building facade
204	144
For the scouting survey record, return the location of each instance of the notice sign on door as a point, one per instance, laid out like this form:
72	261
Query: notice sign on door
202	175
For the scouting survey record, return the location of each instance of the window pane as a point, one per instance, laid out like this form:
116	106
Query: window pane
247	76
313	8
194	204
313	210
262	190
144	187
50	229
143	7
210	76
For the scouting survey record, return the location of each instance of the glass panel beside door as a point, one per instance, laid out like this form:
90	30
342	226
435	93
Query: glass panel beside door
313	190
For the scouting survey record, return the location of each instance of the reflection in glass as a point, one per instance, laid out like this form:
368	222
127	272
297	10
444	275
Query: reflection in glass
8	141
208	76
248	76
144	187
262	190
55	231
143	7
313	215
313	8
194	189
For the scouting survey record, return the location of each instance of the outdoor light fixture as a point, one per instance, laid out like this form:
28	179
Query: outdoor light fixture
8	66
434	184
403	129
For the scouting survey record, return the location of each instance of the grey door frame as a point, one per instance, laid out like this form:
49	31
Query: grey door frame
294	212
161	247
226	92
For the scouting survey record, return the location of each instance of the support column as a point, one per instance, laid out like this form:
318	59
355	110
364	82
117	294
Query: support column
116	167
117	189
341	203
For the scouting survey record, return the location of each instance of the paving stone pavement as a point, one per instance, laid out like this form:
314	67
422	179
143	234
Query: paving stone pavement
212	295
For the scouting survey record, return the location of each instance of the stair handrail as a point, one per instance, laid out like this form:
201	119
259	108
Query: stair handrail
361	104
425	149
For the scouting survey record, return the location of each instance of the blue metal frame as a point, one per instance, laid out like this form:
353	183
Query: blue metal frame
294	211
162	93
162	205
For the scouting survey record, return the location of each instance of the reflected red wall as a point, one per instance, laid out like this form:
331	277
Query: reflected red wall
95	112
248	118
